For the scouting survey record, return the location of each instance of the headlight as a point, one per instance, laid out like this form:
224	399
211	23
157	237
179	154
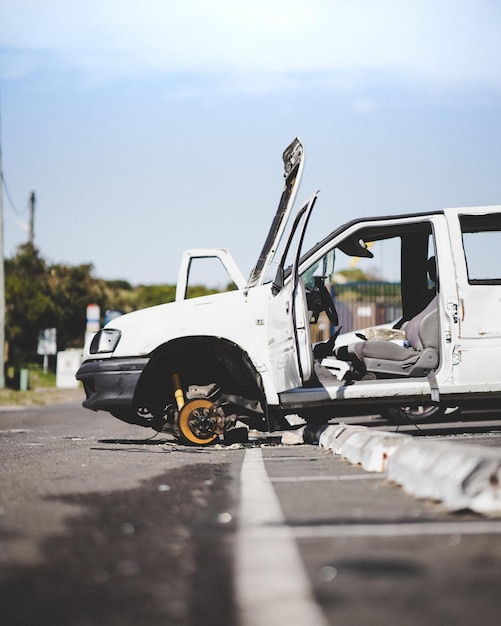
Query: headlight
105	340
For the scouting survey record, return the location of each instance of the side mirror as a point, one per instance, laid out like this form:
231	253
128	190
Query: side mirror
278	281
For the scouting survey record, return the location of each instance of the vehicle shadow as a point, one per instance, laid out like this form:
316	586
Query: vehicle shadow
137	442
464	423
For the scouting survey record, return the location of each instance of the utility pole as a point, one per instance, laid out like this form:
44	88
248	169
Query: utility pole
2	275
32	219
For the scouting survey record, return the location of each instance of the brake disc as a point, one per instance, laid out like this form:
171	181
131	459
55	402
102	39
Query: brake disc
198	421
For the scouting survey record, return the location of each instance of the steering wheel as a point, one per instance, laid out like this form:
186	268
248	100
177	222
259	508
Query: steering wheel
328	305
320	300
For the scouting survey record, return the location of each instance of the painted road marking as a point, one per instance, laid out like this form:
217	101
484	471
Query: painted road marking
271	581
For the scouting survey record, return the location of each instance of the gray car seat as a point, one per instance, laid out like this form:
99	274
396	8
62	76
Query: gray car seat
384	357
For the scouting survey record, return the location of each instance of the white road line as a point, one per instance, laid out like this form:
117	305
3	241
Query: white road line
305	479
272	584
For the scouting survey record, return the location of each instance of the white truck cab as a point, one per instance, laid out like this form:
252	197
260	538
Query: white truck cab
196	367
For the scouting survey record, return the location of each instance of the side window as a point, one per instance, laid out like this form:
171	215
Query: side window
482	248
208	275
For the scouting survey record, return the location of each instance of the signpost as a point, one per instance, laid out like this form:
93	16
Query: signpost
47	344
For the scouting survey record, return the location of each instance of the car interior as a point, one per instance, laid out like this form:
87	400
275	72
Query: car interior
412	350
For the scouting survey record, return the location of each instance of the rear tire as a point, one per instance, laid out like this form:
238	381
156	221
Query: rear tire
417	413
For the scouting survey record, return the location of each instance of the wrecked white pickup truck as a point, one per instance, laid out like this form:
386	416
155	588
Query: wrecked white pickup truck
197	367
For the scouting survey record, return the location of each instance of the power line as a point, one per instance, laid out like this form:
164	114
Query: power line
9	198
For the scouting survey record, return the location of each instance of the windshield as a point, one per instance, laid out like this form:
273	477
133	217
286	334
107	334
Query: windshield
323	268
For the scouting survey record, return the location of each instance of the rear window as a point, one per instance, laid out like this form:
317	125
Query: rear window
482	248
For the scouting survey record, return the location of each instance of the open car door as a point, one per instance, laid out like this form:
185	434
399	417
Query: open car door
289	341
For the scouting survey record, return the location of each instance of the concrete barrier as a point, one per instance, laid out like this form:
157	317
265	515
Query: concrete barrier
459	476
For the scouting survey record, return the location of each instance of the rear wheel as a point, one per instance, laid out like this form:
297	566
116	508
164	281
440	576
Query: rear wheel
418	413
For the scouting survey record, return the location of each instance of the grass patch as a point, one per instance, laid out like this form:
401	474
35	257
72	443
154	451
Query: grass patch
41	389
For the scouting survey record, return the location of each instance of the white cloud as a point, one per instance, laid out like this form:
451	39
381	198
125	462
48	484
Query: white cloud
258	44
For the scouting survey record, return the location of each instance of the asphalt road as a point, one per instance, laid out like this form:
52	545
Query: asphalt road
101	525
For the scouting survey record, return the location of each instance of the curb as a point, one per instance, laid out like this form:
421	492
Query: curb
458	476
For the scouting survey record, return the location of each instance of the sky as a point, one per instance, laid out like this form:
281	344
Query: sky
148	127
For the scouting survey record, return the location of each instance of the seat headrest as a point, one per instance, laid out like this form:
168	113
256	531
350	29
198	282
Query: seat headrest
431	267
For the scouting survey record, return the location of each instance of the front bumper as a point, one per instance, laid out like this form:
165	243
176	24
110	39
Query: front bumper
110	383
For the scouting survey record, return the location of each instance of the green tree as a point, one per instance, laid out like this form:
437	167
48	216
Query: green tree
40	296
150	295
72	288
355	275
29	305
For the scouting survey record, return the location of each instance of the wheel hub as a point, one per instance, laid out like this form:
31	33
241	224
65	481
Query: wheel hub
198	421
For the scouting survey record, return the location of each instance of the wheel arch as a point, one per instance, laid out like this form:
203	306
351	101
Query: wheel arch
200	360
